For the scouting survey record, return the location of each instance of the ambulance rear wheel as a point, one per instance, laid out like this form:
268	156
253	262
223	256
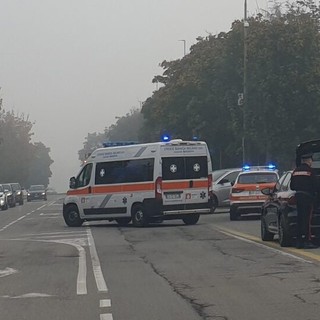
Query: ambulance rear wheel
72	217
138	215
191	219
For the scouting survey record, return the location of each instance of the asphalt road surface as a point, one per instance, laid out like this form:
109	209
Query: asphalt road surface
216	269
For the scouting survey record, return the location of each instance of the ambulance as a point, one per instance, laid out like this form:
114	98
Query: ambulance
142	183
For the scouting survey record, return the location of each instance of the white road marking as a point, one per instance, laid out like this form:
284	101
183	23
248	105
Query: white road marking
29	295
7	272
82	270
101	284
106	316
22	217
105	303
83	233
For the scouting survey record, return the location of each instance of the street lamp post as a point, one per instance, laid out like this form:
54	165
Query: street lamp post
245	96
184	47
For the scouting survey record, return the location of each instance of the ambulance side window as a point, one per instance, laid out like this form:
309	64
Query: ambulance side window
83	178
124	171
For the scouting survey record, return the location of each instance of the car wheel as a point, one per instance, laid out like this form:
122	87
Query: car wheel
234	215
5	207
191	219
266	235
122	222
284	235
138	216
72	217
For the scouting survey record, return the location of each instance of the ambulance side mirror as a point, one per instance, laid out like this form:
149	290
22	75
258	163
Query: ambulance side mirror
72	183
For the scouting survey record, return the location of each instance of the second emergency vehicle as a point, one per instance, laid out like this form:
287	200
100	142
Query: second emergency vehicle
246	196
142	183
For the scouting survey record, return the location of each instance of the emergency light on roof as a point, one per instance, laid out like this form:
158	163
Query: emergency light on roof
118	143
268	167
165	138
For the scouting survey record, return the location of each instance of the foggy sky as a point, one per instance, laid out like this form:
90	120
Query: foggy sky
72	66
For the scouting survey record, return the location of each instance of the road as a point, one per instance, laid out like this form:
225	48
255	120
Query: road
217	269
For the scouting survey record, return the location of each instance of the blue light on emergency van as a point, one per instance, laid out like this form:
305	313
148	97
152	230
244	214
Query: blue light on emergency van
165	138
246	167
271	166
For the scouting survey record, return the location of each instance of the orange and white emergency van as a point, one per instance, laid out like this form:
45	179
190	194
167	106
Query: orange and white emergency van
245	195
142	183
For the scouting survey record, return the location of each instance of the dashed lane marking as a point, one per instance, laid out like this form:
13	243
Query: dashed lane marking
105	303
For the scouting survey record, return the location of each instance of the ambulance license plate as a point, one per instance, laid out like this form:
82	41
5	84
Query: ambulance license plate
255	192
173	196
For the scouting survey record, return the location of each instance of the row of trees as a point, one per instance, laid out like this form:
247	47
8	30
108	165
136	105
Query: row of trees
21	160
198	94
126	128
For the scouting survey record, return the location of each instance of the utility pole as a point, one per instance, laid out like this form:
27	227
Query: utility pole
245	96
184	47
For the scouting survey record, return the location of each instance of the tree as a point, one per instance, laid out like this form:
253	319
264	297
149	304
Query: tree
200	91
21	160
39	169
126	128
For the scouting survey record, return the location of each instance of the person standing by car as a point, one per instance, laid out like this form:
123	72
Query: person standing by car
304	182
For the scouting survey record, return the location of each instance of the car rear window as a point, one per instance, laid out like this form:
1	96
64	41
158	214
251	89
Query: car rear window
179	168
37	188
258	178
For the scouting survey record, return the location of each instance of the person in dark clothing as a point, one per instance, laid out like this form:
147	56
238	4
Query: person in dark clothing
304	182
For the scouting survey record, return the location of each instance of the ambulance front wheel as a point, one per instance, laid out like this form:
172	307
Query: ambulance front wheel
138	214
191	218
71	216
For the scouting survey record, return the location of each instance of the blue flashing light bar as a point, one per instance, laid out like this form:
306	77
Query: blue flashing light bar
118	143
270	166
165	138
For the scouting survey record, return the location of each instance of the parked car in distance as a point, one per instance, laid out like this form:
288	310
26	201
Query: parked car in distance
10	194
3	199
36	192
222	181
17	190
279	212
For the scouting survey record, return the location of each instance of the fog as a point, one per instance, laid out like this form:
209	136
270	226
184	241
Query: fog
72	66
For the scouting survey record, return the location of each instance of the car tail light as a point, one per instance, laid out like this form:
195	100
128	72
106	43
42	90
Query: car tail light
292	201
210	182
236	190
158	188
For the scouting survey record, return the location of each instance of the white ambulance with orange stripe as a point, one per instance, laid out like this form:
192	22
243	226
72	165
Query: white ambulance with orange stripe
142	183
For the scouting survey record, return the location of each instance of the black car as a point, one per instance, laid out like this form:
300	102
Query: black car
17	190
10	194
37	192
279	212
